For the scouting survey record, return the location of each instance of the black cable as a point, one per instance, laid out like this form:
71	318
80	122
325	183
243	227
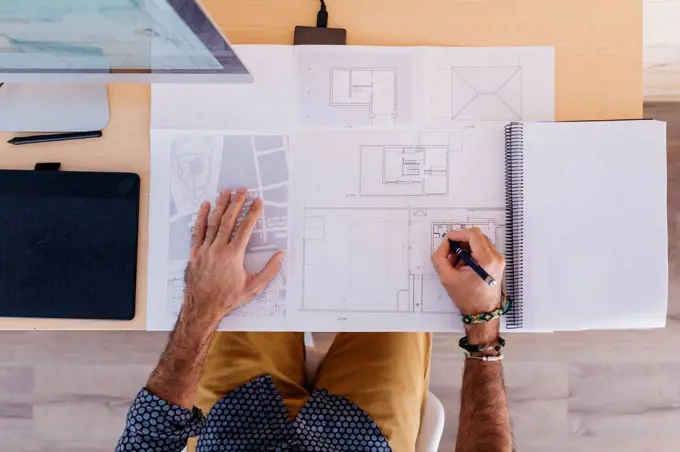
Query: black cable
322	16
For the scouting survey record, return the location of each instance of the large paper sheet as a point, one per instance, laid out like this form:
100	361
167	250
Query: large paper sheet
361	166
587	187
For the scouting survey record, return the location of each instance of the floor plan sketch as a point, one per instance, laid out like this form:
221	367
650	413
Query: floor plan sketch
202	166
396	276
488	226
374	88
420	169
486	93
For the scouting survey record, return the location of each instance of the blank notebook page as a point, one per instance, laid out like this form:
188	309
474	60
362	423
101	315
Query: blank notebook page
595	234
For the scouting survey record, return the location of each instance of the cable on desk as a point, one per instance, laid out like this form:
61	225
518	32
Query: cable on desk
322	16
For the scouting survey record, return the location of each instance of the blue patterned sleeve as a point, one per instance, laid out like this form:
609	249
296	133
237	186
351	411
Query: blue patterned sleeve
155	425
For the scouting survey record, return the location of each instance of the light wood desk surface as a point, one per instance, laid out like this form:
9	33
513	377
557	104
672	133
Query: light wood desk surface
598	51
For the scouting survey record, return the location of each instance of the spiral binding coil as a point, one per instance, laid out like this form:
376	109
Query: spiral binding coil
514	216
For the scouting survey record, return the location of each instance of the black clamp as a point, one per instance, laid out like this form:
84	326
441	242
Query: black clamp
50	166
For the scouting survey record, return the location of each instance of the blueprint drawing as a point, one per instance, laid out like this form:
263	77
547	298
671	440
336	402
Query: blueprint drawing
364	157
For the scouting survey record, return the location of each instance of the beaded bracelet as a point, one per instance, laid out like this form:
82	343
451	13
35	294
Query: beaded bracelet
463	343
487	358
484	317
469	349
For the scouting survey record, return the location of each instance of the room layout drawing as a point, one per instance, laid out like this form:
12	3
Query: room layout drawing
419	169
380	257
374	88
488	226
486	93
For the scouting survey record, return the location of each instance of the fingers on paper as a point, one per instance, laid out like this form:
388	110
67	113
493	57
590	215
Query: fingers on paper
215	221
198	234
480	245
231	215
441	260
261	280
245	229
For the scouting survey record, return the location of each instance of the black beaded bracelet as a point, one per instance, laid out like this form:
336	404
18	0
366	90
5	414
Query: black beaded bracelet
463	343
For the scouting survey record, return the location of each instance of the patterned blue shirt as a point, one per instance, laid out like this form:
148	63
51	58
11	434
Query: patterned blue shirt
251	418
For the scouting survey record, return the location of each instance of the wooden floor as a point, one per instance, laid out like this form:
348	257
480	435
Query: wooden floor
69	391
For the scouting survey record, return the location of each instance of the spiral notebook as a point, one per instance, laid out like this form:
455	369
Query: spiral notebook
587	244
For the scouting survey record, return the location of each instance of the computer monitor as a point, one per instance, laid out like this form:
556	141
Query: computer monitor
56	57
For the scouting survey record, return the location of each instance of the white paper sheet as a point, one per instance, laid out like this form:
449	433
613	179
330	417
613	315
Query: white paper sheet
267	105
372	177
595	231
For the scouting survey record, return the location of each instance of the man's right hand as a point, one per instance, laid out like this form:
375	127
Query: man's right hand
467	290
484	416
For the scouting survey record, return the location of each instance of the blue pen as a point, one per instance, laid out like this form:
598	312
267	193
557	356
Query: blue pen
460	252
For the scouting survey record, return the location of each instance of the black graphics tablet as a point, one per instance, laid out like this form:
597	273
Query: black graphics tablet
68	244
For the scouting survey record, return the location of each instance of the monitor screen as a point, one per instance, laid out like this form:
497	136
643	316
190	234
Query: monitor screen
112	37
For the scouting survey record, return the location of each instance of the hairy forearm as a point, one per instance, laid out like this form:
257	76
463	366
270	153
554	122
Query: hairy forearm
484	416
180	367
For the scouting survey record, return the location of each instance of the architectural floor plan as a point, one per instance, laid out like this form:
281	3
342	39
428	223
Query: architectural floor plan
344	89
420	169
363	155
396	276
374	88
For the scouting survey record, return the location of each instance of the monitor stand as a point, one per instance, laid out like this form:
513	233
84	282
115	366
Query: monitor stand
53	108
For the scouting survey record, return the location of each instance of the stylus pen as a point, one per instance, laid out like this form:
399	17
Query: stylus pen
55	137
456	248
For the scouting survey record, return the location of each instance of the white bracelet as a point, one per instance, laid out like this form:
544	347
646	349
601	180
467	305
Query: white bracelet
486	358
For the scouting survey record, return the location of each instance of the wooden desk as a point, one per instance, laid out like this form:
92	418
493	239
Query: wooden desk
598	48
